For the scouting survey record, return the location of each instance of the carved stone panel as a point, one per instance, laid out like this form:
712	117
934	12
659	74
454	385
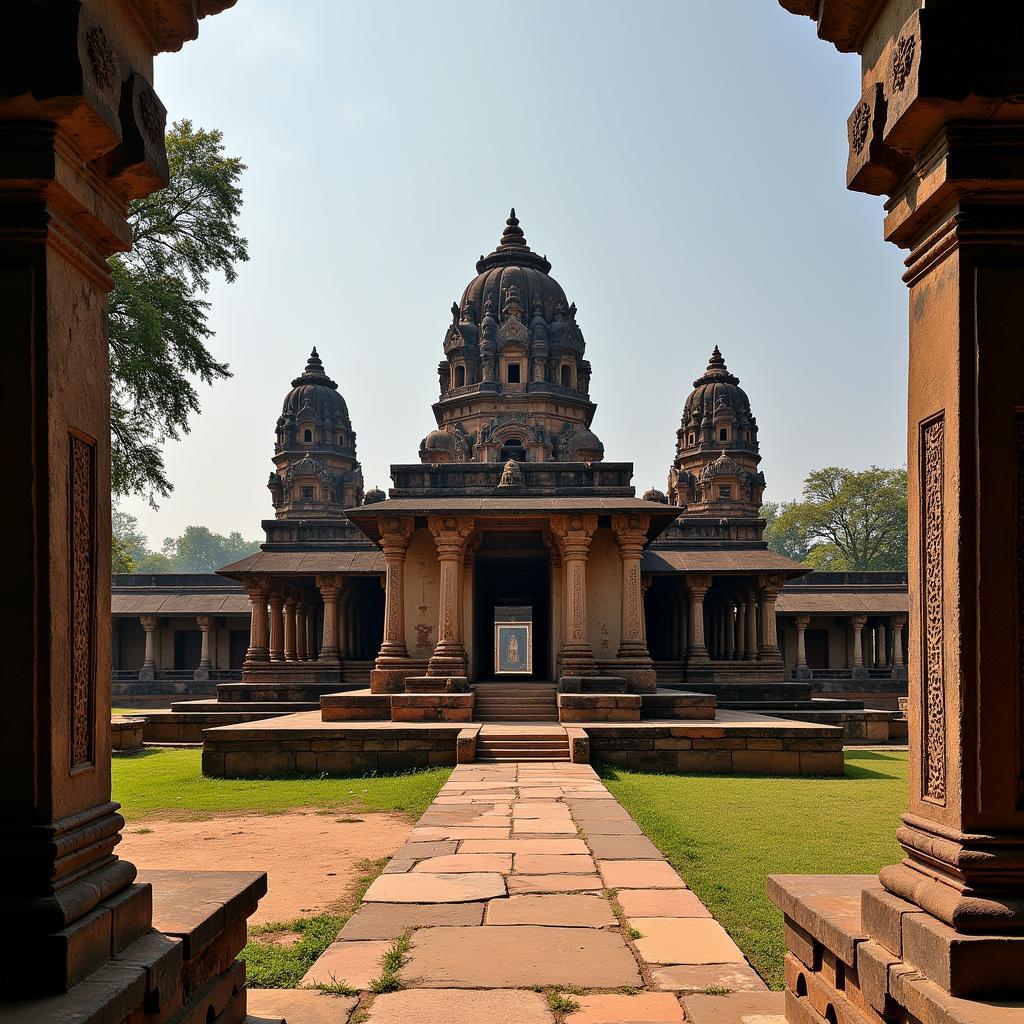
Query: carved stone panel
933	718
82	590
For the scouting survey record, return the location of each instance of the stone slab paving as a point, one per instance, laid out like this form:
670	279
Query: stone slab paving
531	875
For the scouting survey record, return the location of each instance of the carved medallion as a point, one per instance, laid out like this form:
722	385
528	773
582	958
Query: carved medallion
101	57
933	668
859	127
903	61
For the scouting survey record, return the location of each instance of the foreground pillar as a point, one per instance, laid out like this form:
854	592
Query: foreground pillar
939	128
393	665
633	658
81	134
574	534
450	536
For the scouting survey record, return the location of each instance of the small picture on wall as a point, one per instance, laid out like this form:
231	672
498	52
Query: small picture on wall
513	652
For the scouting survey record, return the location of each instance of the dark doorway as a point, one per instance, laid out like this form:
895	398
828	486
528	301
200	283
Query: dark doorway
238	647
511	580
816	648
188	648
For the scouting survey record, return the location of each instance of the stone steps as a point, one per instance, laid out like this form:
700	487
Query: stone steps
541	745
515	702
244	706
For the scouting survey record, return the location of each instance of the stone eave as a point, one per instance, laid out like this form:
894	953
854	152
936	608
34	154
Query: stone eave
843	23
664	561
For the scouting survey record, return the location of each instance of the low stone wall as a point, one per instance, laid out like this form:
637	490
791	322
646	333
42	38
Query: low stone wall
246	754
678	705
126	733
360	706
756	750
432	707
599	707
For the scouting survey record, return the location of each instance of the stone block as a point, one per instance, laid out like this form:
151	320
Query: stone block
767	762
882	914
801	944
821	763
714	761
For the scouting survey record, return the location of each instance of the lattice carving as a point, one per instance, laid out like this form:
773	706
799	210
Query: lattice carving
933	668
82	611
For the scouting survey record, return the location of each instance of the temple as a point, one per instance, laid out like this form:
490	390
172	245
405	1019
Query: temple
512	576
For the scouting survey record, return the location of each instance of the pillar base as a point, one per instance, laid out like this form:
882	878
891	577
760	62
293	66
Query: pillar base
391	678
450	661
202	673
147	674
803	672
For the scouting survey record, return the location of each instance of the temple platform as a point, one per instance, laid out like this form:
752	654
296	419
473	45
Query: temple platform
730	742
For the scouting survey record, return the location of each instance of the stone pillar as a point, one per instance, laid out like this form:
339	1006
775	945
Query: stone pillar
257	589
750	645
207	624
769	586
730	630
937	129
450	536
802	671
697	586
897	641
867	654
149	624
329	585
574	534
392	664
634	659
301	651
289	630
276	602
740	650
81	135
881	655
857	623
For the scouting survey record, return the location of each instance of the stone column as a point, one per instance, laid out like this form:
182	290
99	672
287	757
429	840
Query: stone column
697	586
81	135
898	623
730	630
392	664
450	536
329	585
634	659
750	646
769	586
574	534
937	129
857	623
802	622
276	602
301	651
867	653
289	629
149	624
206	623
257	589
740	651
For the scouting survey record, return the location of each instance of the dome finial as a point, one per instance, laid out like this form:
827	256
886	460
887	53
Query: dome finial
716	362
513	233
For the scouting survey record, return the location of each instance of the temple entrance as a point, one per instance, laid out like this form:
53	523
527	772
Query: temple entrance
511	587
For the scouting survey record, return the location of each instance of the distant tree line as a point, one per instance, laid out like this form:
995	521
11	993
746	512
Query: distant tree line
845	521
198	549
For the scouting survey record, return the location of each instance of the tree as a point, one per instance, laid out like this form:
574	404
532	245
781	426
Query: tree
200	550
128	545
157	317
849	521
782	533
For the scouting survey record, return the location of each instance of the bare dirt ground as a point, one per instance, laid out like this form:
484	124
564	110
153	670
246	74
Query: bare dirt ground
310	858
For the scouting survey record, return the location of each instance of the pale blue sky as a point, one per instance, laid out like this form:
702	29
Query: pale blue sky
680	163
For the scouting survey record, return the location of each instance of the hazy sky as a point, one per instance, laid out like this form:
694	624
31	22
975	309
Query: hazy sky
681	163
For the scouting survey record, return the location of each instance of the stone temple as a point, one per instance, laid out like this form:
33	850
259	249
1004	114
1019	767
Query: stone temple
511	585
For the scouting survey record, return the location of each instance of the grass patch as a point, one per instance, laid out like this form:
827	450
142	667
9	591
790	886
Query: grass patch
391	963
268	965
560	1003
724	835
154	782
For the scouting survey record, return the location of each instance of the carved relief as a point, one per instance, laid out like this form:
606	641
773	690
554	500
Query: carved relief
859	126
903	61
423	633
101	57
82	586
933	669
151	114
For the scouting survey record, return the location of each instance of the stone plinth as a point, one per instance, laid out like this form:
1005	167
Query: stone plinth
598	707
359	705
432	707
437	684
126	733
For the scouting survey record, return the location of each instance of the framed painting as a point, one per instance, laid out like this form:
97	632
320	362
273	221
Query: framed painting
513	648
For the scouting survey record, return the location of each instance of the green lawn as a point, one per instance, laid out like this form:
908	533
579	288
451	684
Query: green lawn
153	782
726	834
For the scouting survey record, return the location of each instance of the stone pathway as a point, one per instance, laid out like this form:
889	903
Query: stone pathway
528	894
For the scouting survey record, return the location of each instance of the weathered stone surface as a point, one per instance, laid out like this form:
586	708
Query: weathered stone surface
639	874
525	955
525	845
684	940
661	903
355	963
297	1006
697	977
429	1006
543	863
622	847
553	883
467	862
543	826
734	1007
435	888
568	911
642	1008
388	920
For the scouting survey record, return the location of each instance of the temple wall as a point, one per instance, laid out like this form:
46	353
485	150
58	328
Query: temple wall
422	595
604	595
